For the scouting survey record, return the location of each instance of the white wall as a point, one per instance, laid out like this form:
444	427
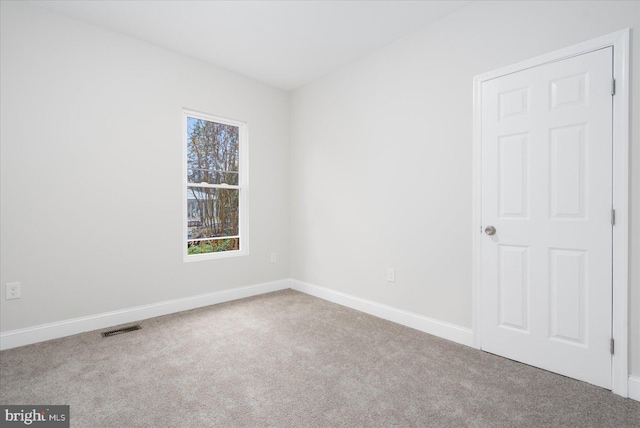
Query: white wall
92	170
382	155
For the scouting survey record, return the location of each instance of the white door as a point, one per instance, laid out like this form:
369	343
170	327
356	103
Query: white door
547	191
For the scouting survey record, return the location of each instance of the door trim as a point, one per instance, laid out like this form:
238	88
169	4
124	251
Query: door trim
620	263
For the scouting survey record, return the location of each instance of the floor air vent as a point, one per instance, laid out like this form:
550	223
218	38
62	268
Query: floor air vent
121	330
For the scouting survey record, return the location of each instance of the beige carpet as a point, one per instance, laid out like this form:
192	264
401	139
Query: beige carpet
286	359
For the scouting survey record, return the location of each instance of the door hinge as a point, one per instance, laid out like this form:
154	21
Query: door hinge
612	346
613	217
613	86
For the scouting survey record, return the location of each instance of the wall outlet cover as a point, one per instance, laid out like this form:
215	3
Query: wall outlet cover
13	291
391	275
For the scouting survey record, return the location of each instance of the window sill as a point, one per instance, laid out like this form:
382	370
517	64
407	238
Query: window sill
213	256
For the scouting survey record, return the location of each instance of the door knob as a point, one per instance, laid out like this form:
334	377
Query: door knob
490	230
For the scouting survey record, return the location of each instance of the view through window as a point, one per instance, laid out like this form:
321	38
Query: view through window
214	184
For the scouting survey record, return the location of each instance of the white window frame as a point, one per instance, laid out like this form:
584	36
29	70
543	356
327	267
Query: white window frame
243	176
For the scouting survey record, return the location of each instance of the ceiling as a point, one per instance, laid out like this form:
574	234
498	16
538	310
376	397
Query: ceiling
285	44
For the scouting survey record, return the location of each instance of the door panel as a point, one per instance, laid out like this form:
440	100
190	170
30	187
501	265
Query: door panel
513	287
568	292
568	169
513	162
547	189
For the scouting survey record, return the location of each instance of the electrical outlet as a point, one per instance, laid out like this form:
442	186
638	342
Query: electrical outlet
14	290
391	275
274	257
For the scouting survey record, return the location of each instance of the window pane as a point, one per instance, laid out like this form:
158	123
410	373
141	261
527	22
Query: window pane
212	213
212	152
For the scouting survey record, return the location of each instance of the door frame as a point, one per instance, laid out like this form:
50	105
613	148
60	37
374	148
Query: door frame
620	263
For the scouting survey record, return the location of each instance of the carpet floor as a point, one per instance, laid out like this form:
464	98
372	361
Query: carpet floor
287	359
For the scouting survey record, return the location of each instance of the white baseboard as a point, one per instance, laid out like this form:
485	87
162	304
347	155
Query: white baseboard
432	326
40	333
634	387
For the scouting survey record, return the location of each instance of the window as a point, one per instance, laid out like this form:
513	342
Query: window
215	177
